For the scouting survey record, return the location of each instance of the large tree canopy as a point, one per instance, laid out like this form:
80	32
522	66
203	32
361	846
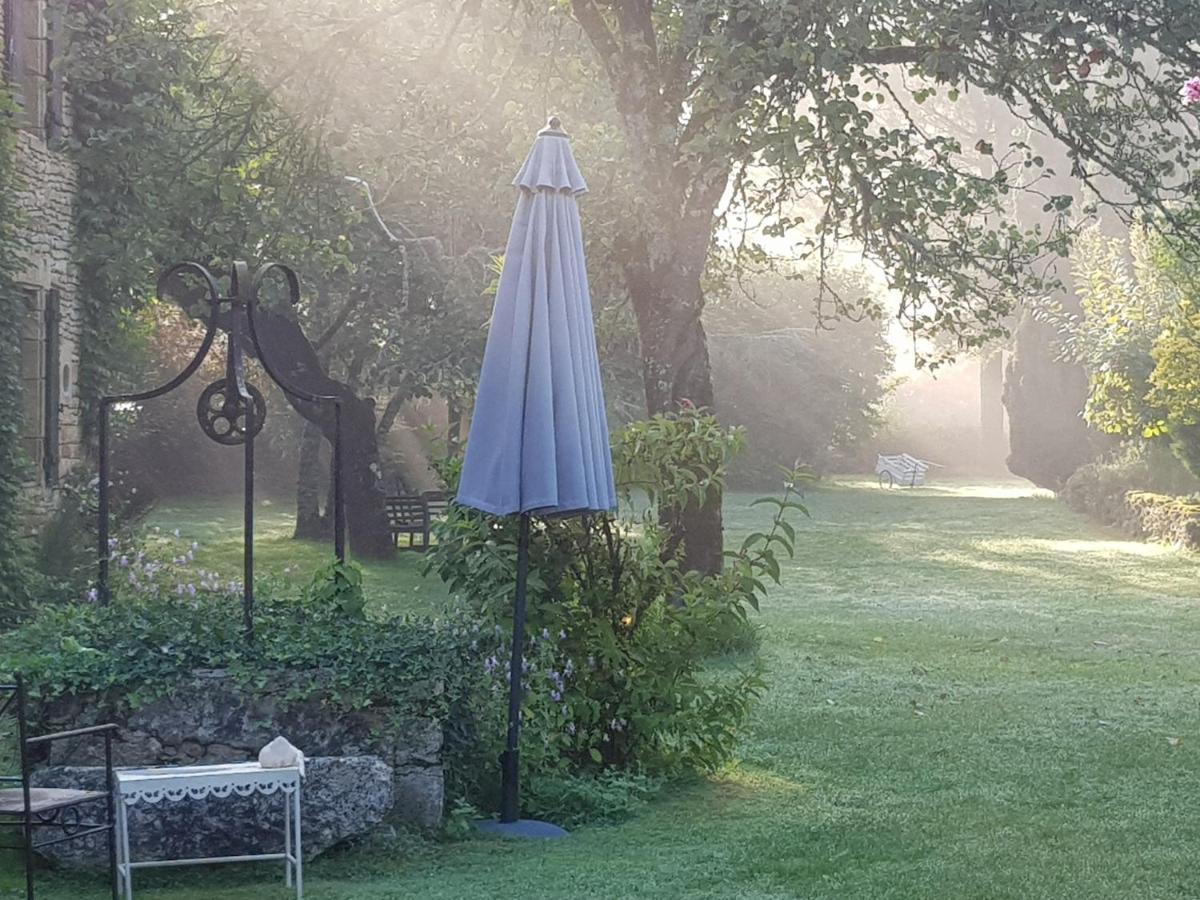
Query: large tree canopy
802	119
774	127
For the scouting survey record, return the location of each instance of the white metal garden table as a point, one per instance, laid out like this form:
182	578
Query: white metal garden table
174	783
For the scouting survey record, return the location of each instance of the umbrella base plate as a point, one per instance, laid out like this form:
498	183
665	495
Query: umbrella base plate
525	829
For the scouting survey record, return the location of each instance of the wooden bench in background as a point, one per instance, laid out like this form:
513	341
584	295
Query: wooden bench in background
413	515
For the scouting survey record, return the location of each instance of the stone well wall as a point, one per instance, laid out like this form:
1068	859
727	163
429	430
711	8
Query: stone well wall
211	720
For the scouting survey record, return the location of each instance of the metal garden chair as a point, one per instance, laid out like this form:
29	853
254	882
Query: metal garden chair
31	810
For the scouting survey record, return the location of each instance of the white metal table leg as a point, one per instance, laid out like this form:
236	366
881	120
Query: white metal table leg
298	848
125	864
287	840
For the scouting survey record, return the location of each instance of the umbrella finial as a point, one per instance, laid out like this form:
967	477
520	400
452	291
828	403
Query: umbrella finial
553	127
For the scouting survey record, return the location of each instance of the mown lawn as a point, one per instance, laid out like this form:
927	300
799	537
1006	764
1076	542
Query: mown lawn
974	694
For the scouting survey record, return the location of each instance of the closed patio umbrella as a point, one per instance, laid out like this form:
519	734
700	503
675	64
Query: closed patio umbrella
538	443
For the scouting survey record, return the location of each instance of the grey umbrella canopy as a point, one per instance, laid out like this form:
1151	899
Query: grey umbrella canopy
539	442
539	435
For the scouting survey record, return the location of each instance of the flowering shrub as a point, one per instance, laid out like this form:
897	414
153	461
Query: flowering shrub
615	672
161	565
1190	92
65	552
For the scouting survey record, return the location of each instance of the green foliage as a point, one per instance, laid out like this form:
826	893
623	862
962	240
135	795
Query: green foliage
140	648
1020	669
618	632
816	116
15	585
602	798
65	551
1138	338
461	815
185	152
675	458
339	586
1101	488
1172	520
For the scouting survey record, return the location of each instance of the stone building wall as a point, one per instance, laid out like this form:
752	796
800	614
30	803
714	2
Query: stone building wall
46	199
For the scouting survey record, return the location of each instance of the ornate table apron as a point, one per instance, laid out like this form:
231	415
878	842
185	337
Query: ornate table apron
170	784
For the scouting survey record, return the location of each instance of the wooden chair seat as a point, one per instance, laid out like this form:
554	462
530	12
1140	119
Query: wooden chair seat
12	800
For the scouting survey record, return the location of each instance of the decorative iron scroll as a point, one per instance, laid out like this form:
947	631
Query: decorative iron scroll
231	411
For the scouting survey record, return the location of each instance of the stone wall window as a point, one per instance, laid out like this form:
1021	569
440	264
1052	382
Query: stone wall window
41	387
31	33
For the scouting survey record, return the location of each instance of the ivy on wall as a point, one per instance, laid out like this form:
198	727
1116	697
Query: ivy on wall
14	581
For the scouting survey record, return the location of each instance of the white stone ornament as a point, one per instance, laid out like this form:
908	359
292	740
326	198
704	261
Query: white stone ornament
281	754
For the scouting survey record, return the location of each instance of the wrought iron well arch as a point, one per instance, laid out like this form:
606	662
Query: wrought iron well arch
231	411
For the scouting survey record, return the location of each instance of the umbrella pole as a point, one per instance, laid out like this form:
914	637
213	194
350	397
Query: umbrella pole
510	776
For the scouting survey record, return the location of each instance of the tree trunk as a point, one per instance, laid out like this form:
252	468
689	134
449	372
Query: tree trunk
1048	439
454	427
310	523
993	444
291	352
663	276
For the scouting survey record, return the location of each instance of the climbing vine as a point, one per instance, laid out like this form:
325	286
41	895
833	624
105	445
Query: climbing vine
14	590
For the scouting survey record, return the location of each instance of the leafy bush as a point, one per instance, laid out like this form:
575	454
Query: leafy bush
168	619
1173	520
65	553
570	800
1101	488
1138	338
618	633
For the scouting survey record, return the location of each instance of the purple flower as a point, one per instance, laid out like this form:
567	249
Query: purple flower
545	634
489	664
570	728
1190	92
93	595
123	562
556	695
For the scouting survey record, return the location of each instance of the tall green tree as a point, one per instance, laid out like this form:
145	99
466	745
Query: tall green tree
186	153
1138	338
807	115
749	123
